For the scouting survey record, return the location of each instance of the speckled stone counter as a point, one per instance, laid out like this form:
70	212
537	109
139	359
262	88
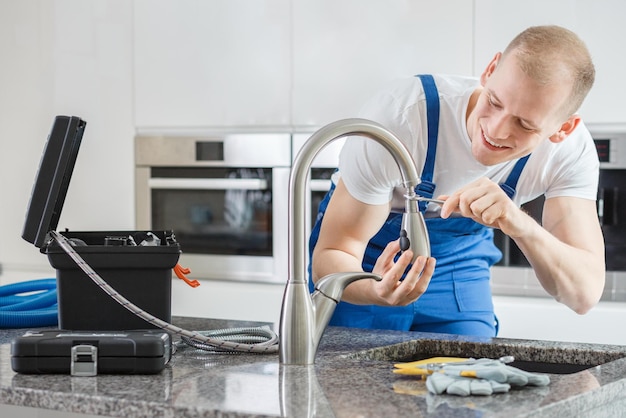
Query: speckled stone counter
352	377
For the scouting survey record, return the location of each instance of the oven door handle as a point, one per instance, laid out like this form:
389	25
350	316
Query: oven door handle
319	185
207	184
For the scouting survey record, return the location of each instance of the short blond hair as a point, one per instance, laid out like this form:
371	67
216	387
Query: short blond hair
551	53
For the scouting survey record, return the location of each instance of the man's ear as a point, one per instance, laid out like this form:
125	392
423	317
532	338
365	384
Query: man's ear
491	67
566	128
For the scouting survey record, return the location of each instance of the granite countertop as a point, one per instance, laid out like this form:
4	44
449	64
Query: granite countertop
352	377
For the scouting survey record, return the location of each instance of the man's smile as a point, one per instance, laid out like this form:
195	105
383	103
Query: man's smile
490	143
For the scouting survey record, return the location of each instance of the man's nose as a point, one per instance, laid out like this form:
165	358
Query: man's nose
499	126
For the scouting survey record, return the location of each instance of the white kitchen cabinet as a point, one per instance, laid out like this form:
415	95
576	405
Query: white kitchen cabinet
228	300
344	51
16	411
598	22
65	57
601	25
545	319
212	63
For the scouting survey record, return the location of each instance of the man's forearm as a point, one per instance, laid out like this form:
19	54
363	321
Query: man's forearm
573	276
328	261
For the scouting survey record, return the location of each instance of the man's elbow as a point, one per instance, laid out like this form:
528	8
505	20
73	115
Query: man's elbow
587	301
584	308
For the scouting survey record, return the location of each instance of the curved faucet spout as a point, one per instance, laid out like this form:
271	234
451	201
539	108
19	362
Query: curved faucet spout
328	291
298	336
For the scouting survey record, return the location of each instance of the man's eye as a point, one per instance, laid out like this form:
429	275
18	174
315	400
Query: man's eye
525	127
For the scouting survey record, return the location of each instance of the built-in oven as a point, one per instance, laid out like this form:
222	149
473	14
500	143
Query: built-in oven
611	205
225	196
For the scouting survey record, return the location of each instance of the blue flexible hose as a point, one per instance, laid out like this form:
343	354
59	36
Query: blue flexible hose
38	308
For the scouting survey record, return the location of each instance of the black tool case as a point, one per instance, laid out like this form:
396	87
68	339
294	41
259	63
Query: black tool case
140	272
91	353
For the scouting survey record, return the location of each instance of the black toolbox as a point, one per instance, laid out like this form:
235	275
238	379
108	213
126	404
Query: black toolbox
137	264
91	353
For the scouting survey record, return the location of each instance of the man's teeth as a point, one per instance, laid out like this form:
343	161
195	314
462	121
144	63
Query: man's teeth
493	144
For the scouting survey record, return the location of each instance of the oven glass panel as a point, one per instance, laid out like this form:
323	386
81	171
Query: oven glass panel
226	218
612	213
611	206
511	254
318	195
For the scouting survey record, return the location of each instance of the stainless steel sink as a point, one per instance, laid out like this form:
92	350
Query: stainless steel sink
532	356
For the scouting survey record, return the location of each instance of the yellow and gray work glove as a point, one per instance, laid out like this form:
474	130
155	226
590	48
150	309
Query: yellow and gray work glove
481	377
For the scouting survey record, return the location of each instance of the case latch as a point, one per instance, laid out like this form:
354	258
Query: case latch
84	360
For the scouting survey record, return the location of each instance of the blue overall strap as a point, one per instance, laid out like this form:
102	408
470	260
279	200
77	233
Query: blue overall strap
426	188
511	181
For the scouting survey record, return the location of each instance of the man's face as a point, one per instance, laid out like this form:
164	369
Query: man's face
513	113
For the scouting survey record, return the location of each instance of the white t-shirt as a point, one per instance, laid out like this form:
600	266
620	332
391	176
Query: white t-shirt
569	168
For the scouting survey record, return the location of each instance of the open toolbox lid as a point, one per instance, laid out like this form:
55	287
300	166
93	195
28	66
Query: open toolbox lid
53	178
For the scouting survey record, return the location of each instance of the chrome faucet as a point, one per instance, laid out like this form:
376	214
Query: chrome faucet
304	317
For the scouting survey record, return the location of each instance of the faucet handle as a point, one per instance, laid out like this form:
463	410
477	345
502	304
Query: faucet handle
332	285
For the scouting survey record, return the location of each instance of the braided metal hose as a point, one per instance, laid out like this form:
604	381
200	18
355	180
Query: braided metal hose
268	340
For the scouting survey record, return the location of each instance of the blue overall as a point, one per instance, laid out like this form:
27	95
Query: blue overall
458	299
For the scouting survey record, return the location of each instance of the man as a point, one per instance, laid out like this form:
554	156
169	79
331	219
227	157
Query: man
496	143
